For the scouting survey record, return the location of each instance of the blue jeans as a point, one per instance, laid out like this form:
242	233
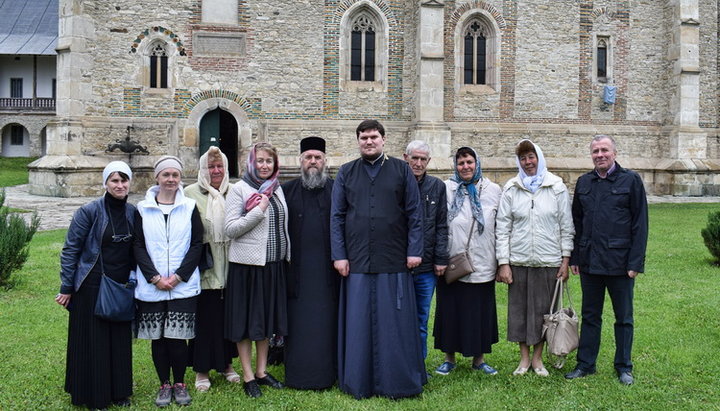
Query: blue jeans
424	288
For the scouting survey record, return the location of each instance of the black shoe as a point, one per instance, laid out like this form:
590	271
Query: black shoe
125	402
252	389
626	378
578	373
269	380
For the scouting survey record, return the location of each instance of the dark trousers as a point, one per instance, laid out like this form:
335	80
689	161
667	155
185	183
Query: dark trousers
620	288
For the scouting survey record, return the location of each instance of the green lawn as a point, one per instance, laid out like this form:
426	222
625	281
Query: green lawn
677	341
13	170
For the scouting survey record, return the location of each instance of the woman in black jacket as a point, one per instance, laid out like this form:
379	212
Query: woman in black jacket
99	240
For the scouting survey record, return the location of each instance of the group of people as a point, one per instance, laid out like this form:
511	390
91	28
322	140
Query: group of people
344	269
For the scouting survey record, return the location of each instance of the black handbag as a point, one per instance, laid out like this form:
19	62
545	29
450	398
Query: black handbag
115	301
206	258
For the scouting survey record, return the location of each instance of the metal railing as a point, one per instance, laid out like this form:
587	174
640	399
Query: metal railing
40	103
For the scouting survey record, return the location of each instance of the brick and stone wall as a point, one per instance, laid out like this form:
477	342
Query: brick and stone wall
278	71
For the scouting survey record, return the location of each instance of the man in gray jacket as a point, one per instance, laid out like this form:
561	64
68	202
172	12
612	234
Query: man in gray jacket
433	200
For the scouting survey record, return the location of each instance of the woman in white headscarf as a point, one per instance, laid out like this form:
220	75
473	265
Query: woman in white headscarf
210	350
534	240
465	313
99	240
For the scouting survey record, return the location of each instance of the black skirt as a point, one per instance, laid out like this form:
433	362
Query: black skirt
465	318
210	350
99	352
256	301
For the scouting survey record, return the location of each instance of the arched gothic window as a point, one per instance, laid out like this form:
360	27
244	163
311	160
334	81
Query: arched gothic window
475	53
362	48
158	65
601	58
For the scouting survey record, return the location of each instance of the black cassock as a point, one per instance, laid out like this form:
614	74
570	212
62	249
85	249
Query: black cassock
313	287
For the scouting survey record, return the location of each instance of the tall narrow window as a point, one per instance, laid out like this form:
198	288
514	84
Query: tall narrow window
54	89
16	135
158	67
475	54
362	49
602	59
16	88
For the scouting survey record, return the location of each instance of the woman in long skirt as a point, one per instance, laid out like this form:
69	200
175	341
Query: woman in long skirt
465	315
99	240
210	350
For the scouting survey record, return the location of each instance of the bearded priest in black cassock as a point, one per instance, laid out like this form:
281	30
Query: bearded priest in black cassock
313	283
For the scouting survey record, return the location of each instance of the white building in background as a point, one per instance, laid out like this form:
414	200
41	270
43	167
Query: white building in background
28	37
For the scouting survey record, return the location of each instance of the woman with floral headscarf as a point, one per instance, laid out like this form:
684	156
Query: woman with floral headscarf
210	350
534	241
256	299
465	313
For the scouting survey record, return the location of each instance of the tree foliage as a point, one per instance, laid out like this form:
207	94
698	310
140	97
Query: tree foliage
711	235
15	234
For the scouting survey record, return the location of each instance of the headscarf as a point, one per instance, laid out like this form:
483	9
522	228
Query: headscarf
115	167
468	189
532	183
266	187
168	162
216	197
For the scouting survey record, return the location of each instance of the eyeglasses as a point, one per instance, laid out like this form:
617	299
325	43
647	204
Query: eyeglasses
117	238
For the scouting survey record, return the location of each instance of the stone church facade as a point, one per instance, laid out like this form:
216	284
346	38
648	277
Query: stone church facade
175	77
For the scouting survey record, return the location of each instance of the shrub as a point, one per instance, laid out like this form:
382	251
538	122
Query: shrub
15	234
711	235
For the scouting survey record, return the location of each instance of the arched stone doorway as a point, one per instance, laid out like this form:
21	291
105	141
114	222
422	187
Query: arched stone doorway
15	141
243	133
219	128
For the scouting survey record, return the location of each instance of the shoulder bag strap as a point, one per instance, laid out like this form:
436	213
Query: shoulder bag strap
567	292
558	290
472	227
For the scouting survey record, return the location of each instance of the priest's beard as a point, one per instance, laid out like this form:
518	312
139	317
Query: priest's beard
313	178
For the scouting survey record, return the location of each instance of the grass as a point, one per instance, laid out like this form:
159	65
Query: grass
13	170
677	341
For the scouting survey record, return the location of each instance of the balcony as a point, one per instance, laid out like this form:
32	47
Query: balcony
44	104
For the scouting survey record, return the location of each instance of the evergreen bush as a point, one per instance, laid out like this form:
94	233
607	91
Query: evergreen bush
15	234
711	235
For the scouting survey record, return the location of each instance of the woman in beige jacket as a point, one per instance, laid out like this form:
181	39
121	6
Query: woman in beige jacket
534	240
256	299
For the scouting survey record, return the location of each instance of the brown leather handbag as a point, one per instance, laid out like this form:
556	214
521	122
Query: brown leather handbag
460	265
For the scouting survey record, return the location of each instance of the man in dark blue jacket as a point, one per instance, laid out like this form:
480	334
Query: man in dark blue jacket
435	232
611	229
375	238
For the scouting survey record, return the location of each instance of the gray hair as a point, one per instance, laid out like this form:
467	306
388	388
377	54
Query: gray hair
419	146
603	137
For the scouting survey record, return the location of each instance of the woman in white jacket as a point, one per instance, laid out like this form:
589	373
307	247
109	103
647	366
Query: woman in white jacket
465	313
534	240
168	245
256	298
